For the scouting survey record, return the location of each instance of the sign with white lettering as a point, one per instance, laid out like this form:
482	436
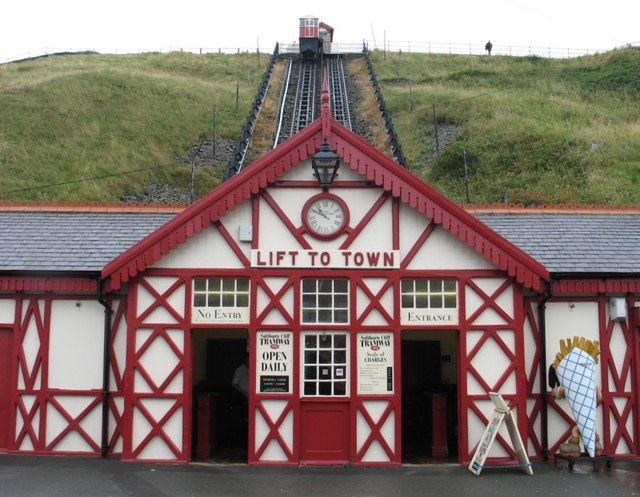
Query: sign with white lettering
375	363
333	259
220	315
425	317
274	361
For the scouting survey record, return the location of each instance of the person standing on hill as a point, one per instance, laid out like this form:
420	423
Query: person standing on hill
488	47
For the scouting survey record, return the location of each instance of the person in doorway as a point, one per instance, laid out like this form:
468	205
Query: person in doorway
488	47
240	404
240	380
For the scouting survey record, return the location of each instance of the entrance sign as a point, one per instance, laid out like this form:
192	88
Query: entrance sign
422	317
274	362
375	363
501	413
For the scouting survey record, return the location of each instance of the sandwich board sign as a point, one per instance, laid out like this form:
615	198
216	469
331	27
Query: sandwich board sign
501	414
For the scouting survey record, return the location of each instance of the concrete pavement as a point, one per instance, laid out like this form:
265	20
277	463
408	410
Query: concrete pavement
40	476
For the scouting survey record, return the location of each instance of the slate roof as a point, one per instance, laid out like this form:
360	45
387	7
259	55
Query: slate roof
70	241
574	243
85	241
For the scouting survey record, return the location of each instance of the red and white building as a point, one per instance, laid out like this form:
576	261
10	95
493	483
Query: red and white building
377	314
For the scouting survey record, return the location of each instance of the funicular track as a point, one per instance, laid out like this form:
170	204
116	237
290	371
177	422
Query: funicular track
299	105
299	102
338	93
305	98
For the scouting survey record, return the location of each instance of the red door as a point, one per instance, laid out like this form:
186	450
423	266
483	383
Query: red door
324	433
324	407
5	386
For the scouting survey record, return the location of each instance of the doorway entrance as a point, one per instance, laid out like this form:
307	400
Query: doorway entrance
429	396
220	412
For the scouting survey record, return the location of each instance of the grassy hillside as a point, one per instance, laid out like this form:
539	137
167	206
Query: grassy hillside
66	118
533	130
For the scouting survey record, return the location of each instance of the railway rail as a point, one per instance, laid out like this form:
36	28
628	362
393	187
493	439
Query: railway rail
300	99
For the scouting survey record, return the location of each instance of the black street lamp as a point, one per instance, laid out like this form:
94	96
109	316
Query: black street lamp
325	165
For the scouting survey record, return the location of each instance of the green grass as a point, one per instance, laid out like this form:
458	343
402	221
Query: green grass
63	119
534	130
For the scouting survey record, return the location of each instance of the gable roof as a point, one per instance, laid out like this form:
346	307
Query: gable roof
359	156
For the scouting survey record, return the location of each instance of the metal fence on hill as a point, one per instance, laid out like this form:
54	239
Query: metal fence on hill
451	48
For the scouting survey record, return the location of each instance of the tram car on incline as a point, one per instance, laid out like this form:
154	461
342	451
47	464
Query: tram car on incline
315	38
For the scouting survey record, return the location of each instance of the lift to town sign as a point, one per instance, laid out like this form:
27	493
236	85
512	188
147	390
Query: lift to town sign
329	259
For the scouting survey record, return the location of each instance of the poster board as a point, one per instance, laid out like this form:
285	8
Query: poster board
375	363
501	413
274	362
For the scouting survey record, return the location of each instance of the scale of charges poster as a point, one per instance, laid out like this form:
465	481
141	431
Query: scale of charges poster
375	363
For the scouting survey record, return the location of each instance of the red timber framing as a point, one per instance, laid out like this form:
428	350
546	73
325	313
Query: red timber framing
157	413
371	416
491	347
46	418
157	408
117	362
532	337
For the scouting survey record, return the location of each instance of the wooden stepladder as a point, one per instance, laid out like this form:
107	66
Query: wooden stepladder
501	413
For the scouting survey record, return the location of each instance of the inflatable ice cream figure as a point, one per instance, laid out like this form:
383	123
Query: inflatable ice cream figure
575	368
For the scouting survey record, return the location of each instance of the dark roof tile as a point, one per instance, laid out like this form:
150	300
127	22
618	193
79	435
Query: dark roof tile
70	241
574	242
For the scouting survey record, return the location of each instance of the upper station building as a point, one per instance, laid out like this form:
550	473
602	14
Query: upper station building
377	315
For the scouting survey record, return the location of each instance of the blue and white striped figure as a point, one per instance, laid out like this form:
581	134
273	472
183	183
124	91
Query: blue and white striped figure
577	374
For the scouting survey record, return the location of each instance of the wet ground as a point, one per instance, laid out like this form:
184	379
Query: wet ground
35	476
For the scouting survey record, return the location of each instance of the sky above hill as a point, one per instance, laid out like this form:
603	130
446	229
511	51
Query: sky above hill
35	27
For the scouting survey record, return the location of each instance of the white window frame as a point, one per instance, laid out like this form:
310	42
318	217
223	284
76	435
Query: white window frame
325	305
221	299
327	377
426	297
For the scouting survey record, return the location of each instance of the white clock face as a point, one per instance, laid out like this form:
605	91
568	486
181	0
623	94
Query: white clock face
325	216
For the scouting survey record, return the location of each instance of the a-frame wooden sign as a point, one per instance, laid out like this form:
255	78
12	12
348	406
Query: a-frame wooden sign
501	413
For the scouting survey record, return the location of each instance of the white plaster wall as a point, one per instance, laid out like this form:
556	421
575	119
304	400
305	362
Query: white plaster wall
489	316
76	344
7	311
160	314
209	249
531	342
274	451
441	250
31	343
568	319
57	423
157	449
119	337
377	234
374	317
304	172
274	233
